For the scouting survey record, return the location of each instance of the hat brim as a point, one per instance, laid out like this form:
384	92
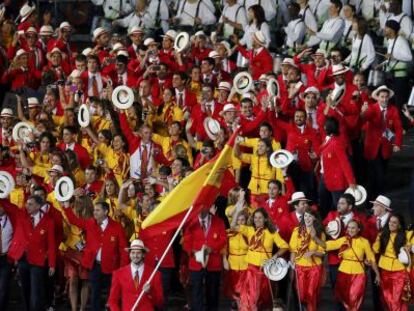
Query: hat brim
276	270
382	204
32	9
212	127
128	249
7	184
84	117
62	194
181	42
360	194
19	131
338	228
117	100
272	87
242	82
285	154
340	72
374	94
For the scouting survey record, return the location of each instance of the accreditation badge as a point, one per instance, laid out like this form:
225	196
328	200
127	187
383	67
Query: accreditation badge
112	238
42	231
215	236
329	155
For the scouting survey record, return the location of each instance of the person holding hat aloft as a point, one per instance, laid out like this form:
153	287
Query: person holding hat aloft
7	120
395	281
104	250
136	35
383	137
119	73
19	74
307	256
58	65
167	53
101	38
398	58
28	17
62	42
130	280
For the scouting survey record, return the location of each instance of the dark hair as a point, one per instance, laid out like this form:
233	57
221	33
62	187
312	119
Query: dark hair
268	143
166	170
208	143
125	147
122	59
301	110
276	182
104	205
49	136
317	223
337	4
37	198
182	75
349	198
267	221
331	126
266	124
95	57
71	129
259	14
39	188
107	134
210	61
80	58
362	25
400	239
92	168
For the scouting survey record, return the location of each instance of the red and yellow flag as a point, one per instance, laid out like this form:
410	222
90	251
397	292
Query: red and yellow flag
199	189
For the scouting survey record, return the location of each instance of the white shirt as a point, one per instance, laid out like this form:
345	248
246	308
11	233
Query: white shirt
70	146
299	216
250	30
115	8
347	218
348	33
320	9
295	33
235	13
384	220
135	268
400	51
269	7
207	220
104	224
98	78
6	233
309	19
188	11
363	55
163	14
45	208
329	35
36	218
367	9
142	19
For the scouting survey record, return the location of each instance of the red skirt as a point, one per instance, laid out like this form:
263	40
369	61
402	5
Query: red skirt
231	278
254	289
308	285
393	285
73	268
350	289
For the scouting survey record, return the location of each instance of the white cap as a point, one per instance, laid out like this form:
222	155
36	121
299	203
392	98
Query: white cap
56	168
384	201
259	37
6	112
87	51
226	46
25	11
170	34
298	196
320	52
149	41
224	85
213	54
289	61
75	74
137	245
134	30
199	33
33	102
99	31
46	30
117	46
20	52
122	52
55	50
31	30
263	77
229	107
65	25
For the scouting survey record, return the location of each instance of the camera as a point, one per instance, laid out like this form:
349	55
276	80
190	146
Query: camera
60	82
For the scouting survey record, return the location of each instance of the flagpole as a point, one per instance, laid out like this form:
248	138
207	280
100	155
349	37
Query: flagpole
163	256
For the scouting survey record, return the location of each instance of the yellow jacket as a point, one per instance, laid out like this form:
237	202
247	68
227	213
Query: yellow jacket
388	261
262	173
167	146
118	162
229	210
17	197
352	257
253	143
261	244
301	244
237	251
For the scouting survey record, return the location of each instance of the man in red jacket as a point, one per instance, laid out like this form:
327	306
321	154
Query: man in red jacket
383	137
336	171
207	231
129	281
69	142
104	249
34	248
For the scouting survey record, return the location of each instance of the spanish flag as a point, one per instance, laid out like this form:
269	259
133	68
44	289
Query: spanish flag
199	189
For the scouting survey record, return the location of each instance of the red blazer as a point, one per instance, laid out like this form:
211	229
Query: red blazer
94	188
38	244
216	239
19	77
111	73
261	63
333	258
302	143
198	117
371	228
58	222
112	241
250	127
168	58
123	293
83	155
374	129
157	245
198	54
320	81
337	171
190	100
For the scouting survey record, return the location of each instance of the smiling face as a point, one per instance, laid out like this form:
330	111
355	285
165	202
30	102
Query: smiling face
309	219
258	219
262	148
394	224
137	256
353	229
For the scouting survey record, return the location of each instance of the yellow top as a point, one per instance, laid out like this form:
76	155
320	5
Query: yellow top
79	175
17	197
100	123
253	143
41	164
237	251
262	173
261	244
352	257
167	145
300	244
229	210
131	210
389	260
117	161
